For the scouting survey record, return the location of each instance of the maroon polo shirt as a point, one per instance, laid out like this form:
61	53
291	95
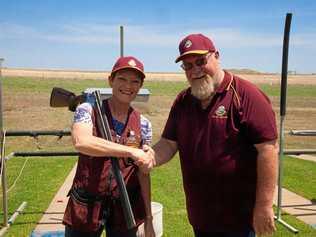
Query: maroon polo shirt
217	152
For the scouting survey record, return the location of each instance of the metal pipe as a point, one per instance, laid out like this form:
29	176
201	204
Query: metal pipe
121	41
280	173
303	132
8	157
17	212
12	219
291	228
286	40
4	189
46	153
58	133
299	151
1	117
3	163
283	105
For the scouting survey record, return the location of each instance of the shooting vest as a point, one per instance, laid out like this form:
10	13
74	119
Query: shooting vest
94	195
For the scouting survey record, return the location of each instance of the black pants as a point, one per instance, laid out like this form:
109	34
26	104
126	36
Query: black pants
69	232
247	233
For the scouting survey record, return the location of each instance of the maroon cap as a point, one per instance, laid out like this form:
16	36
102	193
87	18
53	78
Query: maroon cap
195	44
128	62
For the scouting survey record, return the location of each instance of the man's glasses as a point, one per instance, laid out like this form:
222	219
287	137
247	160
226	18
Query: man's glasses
198	62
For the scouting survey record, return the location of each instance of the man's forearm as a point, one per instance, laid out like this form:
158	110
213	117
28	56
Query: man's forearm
164	151
266	176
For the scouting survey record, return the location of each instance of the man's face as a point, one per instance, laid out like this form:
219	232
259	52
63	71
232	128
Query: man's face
198	70
125	85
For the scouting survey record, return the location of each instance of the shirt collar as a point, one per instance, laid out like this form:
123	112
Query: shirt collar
226	82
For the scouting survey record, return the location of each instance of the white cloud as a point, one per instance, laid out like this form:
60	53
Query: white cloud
152	35
306	40
9	30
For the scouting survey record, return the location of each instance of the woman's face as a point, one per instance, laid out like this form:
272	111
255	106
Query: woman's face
125	85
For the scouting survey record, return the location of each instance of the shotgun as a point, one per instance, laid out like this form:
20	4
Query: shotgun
63	98
60	97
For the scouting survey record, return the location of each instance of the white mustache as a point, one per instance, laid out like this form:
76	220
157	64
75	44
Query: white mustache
202	88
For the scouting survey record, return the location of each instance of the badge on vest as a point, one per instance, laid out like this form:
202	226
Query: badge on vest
131	139
221	111
133	142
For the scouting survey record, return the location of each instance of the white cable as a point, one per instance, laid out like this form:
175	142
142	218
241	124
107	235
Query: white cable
2	166
18	175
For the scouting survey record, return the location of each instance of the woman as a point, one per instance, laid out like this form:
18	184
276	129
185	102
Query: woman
94	202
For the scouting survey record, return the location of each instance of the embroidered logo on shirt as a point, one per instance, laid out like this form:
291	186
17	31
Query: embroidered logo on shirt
221	111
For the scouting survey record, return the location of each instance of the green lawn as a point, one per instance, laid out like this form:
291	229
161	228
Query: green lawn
292	90
156	87
300	177
40	180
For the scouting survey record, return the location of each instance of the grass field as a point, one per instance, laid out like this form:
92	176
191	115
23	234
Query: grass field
26	107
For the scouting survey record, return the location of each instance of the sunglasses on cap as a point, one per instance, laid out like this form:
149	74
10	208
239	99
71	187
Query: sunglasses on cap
186	66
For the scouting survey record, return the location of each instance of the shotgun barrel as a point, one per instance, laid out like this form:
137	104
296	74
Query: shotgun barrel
106	134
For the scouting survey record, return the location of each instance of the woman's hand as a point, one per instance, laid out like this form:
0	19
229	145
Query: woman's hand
149	228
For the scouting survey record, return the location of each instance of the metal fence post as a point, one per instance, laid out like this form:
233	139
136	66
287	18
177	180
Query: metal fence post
2	158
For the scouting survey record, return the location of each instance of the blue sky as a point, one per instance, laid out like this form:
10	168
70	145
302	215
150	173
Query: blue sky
85	34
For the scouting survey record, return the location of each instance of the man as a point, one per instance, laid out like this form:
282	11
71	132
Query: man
225	131
94	197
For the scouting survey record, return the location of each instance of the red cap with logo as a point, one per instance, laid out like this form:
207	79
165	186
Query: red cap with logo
195	44
128	62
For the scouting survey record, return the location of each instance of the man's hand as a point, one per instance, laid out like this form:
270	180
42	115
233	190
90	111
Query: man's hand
263	220
144	159
161	153
149	164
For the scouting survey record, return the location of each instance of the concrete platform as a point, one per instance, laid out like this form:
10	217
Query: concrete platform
299	207
306	157
302	208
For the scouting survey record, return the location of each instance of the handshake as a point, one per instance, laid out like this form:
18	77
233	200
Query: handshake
144	158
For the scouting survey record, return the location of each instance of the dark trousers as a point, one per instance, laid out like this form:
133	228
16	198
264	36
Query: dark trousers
247	233
69	232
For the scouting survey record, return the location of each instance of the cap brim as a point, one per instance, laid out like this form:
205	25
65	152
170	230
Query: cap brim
126	67
191	52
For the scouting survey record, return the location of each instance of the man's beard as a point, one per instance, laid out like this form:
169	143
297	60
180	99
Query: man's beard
202	88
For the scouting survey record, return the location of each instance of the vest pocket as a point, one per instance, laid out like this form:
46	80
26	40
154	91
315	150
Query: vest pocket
83	216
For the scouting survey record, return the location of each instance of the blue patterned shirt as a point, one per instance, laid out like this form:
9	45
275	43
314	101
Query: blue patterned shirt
83	115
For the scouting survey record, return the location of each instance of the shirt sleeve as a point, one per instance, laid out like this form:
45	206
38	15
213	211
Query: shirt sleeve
83	114
258	117
146	130
170	130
